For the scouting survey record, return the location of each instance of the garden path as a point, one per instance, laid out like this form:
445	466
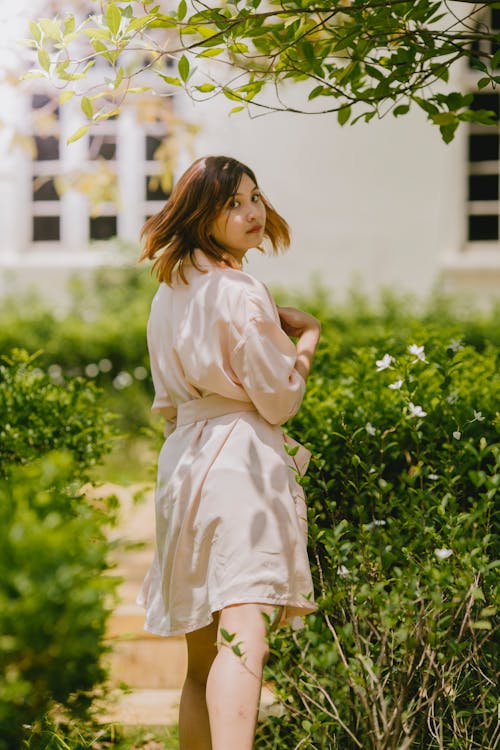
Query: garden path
152	667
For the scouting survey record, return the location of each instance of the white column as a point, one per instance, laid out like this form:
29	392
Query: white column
130	157
74	204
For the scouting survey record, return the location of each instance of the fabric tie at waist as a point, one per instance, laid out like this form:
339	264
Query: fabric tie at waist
212	406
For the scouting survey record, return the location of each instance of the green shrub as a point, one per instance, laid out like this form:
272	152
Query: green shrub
39	415
401	493
53	607
54	599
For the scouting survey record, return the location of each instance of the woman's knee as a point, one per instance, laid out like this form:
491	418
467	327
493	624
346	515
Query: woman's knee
244	628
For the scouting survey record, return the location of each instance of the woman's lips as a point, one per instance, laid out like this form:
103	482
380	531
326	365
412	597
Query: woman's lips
255	229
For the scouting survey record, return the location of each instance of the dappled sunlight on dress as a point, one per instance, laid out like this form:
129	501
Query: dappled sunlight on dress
230	516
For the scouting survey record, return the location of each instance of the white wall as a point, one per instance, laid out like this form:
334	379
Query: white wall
380	204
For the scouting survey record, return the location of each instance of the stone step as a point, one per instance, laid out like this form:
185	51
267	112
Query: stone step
148	707
140	659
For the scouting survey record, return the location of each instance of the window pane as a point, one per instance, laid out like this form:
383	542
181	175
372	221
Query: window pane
103	146
483	227
47	148
154	191
483	187
44	189
152	144
103	227
486	101
483	147
46	228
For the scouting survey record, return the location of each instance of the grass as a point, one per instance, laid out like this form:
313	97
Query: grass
144	738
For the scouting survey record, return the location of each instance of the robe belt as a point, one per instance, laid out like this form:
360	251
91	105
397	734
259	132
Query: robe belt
214	405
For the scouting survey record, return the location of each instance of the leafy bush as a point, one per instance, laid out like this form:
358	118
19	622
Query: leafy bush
54	600
401	496
39	415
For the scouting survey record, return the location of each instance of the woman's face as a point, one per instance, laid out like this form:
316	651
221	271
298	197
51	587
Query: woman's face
241	223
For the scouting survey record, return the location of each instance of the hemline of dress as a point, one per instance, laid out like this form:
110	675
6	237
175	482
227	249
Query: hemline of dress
286	603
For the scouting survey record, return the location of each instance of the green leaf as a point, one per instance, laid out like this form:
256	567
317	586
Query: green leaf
444	118
227	636
481	625
182	10
171	80
78	134
235	109
44	59
402	109
69	25
86	106
65	96
343	115
35	31
495	61
212	52
205	88
113	18
184	68
483	82
238	48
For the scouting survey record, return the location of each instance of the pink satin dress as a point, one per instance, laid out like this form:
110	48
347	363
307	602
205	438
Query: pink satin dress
230	515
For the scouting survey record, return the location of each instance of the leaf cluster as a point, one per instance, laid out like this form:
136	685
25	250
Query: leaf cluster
54	596
402	493
361	59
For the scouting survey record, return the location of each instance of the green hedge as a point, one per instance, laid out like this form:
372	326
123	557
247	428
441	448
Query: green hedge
54	598
401	492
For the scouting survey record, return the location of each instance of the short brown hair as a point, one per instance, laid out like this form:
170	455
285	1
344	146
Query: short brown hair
184	223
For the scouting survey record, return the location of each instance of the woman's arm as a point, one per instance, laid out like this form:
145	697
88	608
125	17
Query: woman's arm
307	329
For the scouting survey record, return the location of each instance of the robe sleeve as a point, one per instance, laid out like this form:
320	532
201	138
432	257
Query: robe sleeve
263	359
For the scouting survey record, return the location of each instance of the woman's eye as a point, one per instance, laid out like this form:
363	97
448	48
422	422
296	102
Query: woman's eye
256	197
233	204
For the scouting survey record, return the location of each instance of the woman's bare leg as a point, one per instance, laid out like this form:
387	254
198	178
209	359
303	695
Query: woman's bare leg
194	727
234	682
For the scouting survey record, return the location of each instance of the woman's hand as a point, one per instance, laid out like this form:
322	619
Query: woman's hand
294	322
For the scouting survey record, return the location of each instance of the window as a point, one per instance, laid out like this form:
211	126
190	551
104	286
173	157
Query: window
483	190
156	179
104	184
45	223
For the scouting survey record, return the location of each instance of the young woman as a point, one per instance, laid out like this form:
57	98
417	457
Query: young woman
231	556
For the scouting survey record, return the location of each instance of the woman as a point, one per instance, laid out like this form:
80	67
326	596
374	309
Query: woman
231	555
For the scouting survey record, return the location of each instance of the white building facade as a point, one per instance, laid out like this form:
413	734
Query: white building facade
386	204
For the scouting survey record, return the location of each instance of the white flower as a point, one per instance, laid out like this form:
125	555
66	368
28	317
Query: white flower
342	571
122	380
376	522
396	385
432	476
370	428
384	363
105	364
457	435
478	416
452	398
91	370
297	623
443	553
455	345
416	411
418	351
55	371
140	373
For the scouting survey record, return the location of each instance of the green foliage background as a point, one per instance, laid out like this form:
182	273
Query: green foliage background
403	531
54	553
